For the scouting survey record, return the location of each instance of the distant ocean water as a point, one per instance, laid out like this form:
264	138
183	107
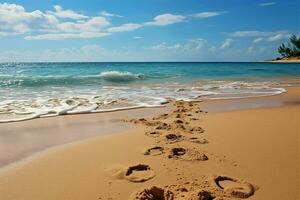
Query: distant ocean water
32	90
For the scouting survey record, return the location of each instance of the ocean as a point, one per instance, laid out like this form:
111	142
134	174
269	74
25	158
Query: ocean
33	90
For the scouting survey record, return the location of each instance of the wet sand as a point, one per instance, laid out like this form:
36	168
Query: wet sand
185	154
19	140
287	99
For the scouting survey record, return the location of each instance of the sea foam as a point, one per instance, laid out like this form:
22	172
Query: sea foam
114	98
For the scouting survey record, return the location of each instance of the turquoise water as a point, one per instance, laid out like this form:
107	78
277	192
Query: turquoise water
30	90
70	74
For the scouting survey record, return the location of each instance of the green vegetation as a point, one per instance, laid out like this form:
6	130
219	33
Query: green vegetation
292	49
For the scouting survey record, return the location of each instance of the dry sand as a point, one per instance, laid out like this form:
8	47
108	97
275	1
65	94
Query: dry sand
184	154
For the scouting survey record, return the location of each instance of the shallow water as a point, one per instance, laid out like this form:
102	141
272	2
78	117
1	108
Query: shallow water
32	90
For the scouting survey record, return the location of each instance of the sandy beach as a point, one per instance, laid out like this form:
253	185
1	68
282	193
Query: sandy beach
149	100
284	60
221	149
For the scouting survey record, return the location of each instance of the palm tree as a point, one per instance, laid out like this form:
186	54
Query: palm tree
292	49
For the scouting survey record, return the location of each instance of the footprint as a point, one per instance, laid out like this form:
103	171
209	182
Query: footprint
194	119
153	133
178	116
202	195
187	154
152	123
180	126
163	126
177	152
148	122
205	195
180	110
154	151
137	121
198	140
172	137
153	193
162	116
178	121
234	187
196	129
191	104
136	173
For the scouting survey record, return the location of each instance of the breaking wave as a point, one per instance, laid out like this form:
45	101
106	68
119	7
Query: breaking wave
58	80
118	76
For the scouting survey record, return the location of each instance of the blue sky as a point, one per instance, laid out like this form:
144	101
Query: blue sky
145	30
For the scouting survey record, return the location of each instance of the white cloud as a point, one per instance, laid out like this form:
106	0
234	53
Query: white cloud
258	40
61	23
254	33
61	13
86	53
267	4
165	19
278	37
91	28
124	28
137	37
250	49
208	14
14	19
160	20
94	24
212	49
107	14
226	43
63	36
165	46
274	38
193	45
256	50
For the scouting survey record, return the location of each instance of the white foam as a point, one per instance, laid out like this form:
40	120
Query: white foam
118	76
115	98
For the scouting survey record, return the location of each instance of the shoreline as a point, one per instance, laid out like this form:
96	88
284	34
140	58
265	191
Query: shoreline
161	105
67	123
280	61
283	60
128	153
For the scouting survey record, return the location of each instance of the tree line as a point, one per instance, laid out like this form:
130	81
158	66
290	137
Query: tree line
292	49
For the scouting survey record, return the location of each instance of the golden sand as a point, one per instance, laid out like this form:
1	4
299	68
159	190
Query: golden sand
185	153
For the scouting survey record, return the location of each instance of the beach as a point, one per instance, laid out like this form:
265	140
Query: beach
285	60
149	100
215	149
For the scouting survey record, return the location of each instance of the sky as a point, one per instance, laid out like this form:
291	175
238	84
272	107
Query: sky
145	30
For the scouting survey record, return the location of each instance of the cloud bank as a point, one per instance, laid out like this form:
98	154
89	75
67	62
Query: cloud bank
61	23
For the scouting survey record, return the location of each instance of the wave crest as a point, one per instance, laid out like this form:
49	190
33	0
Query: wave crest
119	76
